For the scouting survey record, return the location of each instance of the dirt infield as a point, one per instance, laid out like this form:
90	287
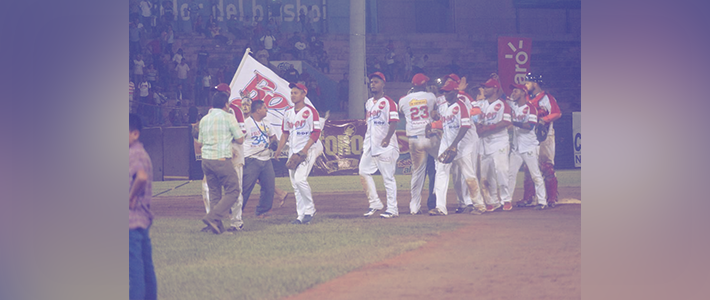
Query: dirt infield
518	254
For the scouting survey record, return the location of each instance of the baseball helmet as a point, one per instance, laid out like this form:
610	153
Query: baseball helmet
534	77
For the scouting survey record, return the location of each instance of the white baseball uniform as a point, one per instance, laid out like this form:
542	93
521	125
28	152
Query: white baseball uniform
379	113
417	107
494	162
526	149
544	102
454	118
303	125
238	162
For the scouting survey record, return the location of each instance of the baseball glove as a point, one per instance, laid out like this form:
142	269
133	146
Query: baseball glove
448	156
295	160
541	131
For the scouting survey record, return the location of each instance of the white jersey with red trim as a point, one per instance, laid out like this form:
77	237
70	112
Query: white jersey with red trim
524	140
441	104
378	115
417	108
237	149
301	125
546	104
465	98
496	112
454	118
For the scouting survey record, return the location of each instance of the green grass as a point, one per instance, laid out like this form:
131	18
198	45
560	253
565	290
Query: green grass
271	258
351	183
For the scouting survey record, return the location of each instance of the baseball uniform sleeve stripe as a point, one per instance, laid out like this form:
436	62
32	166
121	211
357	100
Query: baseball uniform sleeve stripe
393	115
315	134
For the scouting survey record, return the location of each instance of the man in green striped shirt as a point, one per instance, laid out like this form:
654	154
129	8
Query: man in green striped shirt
217	130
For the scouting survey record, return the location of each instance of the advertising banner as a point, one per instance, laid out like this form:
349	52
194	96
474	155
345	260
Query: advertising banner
513	60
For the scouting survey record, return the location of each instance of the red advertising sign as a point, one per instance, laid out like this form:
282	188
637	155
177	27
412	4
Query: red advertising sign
513	60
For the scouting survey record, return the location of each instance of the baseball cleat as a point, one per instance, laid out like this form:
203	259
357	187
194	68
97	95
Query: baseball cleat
436	212
540	207
478	210
307	219
524	203
507	206
370	212
416	213
490	207
235	228
461	209
388	215
551	204
468	209
296	222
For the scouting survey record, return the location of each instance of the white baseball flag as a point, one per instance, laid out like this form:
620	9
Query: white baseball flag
261	83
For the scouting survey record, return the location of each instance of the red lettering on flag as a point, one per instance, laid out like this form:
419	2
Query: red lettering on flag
262	88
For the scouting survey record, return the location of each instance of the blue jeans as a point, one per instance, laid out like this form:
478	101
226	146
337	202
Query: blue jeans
141	275
263	171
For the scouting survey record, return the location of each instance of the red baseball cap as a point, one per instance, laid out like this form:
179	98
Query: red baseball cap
519	86
378	74
453	77
223	87
299	86
491	83
452	85
419	79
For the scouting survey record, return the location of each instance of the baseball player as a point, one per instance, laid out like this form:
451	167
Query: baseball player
417	108
525	144
455	123
548	112
301	127
462	194
238	162
380	148
496	146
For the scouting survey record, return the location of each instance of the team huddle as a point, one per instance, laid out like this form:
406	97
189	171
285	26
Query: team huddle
480	141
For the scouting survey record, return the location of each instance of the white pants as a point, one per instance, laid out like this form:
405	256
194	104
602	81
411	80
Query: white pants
530	158
494	171
464	196
236	218
299	182
419	148
547	148
387	164
461	171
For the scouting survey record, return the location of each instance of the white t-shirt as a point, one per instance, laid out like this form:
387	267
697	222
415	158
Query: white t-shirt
496	112
417	108
452	120
177	58
256	141
268	41
144	89
301	126
378	114
182	71
138	67
524	140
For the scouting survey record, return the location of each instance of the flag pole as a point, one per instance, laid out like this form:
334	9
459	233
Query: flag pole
241	63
